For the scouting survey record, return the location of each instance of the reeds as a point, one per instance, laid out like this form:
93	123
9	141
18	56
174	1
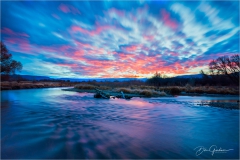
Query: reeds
30	84
85	86
145	92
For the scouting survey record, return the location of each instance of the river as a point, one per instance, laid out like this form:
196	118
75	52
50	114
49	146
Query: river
55	124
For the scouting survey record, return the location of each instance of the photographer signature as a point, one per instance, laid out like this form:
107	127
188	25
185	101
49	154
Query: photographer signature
212	149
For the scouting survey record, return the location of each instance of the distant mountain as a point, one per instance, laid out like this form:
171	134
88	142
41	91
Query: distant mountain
28	77
190	76
102	79
32	78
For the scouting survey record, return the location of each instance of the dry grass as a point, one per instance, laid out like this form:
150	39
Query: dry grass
85	86
142	87
176	90
200	90
214	90
91	87
124	90
145	92
104	88
30	84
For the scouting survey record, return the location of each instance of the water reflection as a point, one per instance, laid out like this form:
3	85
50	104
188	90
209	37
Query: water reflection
50	123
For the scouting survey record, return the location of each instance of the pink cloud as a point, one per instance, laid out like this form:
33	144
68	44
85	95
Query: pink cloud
68	8
74	10
125	57
79	53
167	20
8	31
143	65
56	16
18	45
173	53
77	28
83	45
101	28
117	12
64	8
149	38
98	30
131	48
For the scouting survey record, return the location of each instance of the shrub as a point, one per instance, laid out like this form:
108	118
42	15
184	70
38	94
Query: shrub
124	90
212	91
147	93
175	91
162	93
85	86
188	87
198	90
104	88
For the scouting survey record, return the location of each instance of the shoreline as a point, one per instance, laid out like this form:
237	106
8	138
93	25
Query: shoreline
224	105
138	95
19	86
112	93
34	88
33	85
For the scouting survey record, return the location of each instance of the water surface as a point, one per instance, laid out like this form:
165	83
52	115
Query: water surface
52	124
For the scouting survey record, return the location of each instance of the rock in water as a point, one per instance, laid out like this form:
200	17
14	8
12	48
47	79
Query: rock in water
97	95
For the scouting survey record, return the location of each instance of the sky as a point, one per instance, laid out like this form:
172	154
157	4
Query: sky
118	39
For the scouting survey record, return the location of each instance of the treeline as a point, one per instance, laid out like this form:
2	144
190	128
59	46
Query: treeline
224	71
18	78
211	80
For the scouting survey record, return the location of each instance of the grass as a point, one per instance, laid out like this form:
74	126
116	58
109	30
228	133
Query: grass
124	90
85	86
91	87
214	90
145	92
30	84
163	90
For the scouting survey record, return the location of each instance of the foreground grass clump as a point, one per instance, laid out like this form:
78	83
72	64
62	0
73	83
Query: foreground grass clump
149	91
85	86
145	92
104	88
32	84
213	90
175	91
124	90
91	87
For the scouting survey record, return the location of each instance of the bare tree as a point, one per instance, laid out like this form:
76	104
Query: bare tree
226	66
8	65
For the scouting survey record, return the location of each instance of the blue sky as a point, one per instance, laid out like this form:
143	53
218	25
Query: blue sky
118	38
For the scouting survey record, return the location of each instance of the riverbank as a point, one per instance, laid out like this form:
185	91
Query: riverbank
154	91
116	93
31	85
226	105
